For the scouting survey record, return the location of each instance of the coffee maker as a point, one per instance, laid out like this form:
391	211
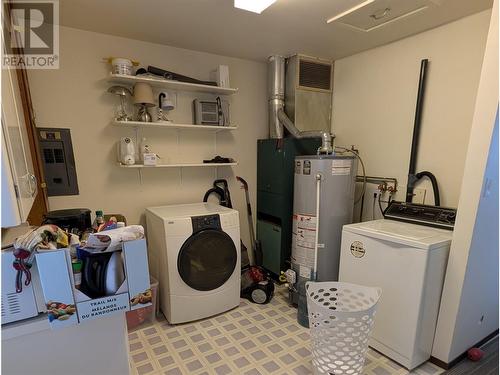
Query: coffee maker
73	220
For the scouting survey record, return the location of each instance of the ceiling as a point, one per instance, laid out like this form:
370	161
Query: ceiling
286	27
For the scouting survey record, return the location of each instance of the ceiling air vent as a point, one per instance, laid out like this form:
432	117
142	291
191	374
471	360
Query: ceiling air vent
373	14
315	75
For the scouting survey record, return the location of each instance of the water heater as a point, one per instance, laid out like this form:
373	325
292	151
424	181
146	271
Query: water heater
337	185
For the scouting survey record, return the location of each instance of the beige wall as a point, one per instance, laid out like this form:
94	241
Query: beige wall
374	103
75	97
373	109
469	304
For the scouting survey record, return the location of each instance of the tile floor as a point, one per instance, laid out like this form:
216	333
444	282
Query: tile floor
249	340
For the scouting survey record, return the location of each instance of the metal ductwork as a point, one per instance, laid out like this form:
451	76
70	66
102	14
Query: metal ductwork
326	138
276	94
278	118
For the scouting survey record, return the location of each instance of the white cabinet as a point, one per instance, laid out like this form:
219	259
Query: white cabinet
97	347
19	186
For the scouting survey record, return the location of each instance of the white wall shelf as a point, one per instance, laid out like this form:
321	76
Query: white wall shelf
179	86
170	125
170	84
179	165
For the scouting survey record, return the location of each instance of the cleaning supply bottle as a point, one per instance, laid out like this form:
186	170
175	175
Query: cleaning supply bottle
144	149
77	265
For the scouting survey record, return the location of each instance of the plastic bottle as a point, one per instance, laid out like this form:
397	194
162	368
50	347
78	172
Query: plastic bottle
77	272
99	220
143	149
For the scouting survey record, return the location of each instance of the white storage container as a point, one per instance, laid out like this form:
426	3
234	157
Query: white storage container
341	317
68	305
122	66
135	318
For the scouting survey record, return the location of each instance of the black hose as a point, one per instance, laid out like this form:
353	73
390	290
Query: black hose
380	204
220	195
435	188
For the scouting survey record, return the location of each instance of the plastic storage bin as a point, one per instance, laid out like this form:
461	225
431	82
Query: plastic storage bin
122	66
341	317
148	314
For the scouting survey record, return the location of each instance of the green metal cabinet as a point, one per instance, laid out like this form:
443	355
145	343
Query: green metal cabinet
275	171
270	235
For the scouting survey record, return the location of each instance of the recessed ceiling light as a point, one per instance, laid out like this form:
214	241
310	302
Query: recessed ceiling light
256	6
350	10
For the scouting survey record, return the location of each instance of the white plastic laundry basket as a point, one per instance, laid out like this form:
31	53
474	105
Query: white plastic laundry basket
341	317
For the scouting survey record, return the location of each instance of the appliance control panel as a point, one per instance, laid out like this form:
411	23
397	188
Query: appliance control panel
433	216
205	222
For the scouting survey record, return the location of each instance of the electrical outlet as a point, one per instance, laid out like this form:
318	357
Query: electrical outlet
419	196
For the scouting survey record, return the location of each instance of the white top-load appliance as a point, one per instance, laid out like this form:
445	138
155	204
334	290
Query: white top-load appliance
408	262
194	252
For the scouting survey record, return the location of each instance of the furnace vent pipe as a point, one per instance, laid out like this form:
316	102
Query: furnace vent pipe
414	177
326	138
277	116
417	124
276	94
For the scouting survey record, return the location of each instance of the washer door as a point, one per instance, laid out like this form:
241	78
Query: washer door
207	259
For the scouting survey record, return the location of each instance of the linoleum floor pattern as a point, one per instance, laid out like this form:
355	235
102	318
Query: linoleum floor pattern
248	340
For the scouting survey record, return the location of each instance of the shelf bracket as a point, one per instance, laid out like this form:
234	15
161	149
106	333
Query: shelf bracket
215	143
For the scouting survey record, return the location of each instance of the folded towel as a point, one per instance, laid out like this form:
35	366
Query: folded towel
111	240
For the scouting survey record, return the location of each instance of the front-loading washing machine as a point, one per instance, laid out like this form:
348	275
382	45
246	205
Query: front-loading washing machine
408	262
194	252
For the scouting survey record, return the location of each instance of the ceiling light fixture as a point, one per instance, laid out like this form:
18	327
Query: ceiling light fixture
350	10
256	6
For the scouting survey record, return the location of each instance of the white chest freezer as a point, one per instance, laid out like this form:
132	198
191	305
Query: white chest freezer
408	262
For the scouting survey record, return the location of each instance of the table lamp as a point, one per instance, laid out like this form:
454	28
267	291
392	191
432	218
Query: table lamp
143	98
122	92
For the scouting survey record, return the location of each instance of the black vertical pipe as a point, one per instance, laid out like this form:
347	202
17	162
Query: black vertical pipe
416	130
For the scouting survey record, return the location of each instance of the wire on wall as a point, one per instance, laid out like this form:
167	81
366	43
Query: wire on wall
344	149
373	206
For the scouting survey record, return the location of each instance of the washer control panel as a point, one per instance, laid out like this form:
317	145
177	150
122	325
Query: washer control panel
205	222
439	217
